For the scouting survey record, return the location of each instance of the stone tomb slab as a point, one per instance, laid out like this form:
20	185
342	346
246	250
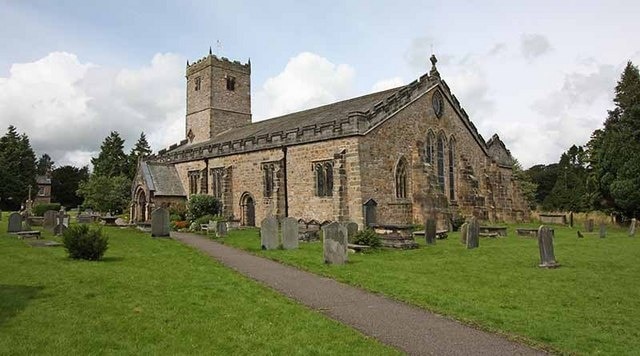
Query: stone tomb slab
290	233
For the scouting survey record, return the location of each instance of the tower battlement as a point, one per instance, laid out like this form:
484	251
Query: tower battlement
222	62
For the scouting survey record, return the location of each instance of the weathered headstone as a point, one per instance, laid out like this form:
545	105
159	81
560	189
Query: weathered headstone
15	222
603	231
632	228
290	233
269	233
588	225
49	219
571	219
473	233
335	243
545	244
60	226
430	231
160	223
352	229
221	229
463	233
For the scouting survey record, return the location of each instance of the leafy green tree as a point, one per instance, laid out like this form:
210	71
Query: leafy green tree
111	161
569	190
44	165
544	177
18	162
527	186
140	150
613	151
106	194
65	182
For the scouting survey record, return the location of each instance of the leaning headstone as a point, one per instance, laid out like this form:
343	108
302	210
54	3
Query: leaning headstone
15	222
269	233
290	233
221	229
463	233
352	230
473	233
588	225
160	223
49	221
632	228
430	231
545	244
603	231
335	243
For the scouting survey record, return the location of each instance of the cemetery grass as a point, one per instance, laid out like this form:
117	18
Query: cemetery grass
152	296
587	306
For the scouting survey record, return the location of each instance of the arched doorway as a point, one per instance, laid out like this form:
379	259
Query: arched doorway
248	210
140	206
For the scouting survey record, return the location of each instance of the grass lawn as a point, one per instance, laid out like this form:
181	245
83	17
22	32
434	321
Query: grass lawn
151	296
590	305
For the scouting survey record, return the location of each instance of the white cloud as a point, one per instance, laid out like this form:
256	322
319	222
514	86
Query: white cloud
67	107
534	45
387	84
308	80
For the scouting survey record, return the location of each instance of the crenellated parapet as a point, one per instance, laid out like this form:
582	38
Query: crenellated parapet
222	62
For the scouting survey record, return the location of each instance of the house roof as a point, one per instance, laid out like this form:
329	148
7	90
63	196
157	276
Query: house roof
162	179
43	180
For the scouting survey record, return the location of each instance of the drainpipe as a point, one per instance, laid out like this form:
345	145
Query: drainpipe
286	194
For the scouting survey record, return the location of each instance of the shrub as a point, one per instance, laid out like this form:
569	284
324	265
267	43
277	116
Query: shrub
85	243
40	209
175	217
179	209
200	205
367	237
177	225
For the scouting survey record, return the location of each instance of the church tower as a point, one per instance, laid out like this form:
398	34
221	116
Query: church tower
218	97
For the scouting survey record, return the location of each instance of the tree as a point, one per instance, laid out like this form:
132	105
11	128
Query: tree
44	165
613	150
569	190
527	186
106	194
65	182
18	162
111	161
140	150
544	176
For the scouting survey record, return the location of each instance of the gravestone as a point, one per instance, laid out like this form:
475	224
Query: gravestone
85	219
335	243
464	229
269	233
430	231
221	229
632	228
603	231
290	233
571	219
15	222
545	244
26	224
62	222
352	230
473	233
160	223
49	219
588	225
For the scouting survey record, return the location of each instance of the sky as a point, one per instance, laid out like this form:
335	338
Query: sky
540	74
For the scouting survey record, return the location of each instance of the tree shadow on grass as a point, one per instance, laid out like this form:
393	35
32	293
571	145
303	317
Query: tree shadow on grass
14	298
112	259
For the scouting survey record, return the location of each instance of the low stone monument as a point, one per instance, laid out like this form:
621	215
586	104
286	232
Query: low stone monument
160	223
464	229
430	231
49	221
545	244
290	233
632	228
473	233
588	225
335	243
15	222
61	226
352	229
603	231
269	233
221	229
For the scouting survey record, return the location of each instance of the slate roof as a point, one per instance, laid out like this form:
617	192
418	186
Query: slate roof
300	119
162	178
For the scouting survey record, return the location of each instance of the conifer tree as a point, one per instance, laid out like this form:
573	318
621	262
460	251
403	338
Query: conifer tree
44	165
140	150
18	162
111	161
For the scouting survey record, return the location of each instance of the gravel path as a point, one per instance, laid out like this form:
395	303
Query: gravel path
408	328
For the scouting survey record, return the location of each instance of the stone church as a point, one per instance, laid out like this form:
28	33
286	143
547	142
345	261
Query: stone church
391	157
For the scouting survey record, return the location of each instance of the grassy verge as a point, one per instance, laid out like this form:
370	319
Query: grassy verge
151	296
588	305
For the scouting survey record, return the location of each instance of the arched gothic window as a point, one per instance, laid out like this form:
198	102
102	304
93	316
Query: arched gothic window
324	178
401	179
269	170
452	163
440	161
428	147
